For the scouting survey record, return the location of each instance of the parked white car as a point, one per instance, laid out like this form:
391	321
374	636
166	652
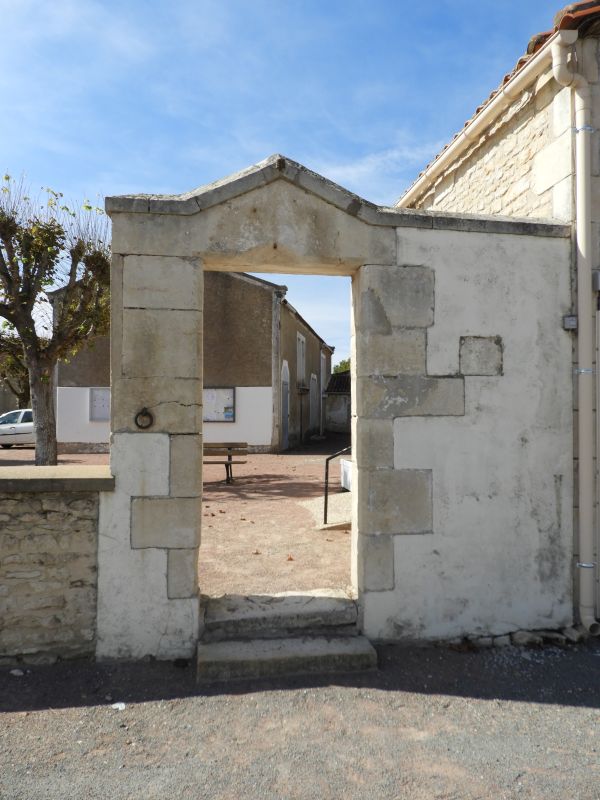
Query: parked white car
16	427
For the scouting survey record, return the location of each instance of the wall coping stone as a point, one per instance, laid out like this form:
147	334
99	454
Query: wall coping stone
278	167
56	479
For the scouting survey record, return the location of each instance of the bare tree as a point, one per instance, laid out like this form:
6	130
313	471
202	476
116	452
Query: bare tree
45	247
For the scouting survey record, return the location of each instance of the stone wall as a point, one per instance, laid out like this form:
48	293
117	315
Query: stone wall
48	575
520	167
237	331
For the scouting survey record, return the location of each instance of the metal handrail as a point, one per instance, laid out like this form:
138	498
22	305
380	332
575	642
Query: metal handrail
327	460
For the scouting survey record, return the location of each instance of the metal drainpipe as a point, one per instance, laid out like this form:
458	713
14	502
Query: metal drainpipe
566	75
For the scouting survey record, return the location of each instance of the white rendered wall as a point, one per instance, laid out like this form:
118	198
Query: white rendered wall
73	417
253	418
498	556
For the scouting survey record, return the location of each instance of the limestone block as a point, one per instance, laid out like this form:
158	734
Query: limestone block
552	164
395	501
561	112
481	355
376	563
182	573
161	343
410	396
186	466
401	353
562	200
175	403
162	282
394	297
140	463
373	443
165	522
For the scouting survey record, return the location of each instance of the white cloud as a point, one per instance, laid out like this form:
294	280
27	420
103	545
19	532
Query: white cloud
381	176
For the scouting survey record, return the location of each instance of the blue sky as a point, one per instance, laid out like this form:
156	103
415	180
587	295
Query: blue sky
103	98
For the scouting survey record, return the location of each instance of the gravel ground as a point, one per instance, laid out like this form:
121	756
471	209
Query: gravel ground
431	724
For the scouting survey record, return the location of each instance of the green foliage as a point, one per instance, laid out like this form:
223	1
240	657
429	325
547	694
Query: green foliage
342	366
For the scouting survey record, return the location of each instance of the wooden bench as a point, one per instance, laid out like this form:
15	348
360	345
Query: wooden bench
220	450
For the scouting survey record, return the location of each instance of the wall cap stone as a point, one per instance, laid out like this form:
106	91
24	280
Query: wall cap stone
278	167
56	479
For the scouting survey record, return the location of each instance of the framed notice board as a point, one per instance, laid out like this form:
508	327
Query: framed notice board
99	404
219	404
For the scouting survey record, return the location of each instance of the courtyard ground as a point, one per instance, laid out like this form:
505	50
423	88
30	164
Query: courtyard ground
264	533
432	724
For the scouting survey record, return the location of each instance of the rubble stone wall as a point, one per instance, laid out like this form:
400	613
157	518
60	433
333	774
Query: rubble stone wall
48	575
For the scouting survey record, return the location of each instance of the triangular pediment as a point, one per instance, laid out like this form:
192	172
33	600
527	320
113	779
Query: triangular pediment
272	169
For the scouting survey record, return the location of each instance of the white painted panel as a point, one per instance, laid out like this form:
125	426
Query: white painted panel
253	418
73	417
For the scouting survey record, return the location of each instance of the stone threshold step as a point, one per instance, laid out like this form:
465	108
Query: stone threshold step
320	612
264	658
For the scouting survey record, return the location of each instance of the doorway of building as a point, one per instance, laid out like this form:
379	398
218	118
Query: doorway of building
264	534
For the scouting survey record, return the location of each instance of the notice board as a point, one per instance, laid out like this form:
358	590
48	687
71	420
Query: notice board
99	404
219	404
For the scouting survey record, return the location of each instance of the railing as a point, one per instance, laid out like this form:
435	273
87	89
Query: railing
327	460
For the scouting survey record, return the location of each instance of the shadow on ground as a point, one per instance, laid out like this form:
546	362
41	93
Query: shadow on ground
266	486
567	676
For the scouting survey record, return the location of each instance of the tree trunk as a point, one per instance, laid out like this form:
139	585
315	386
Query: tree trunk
24	397
44	421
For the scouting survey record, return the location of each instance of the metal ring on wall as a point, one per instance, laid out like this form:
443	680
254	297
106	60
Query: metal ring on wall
144	419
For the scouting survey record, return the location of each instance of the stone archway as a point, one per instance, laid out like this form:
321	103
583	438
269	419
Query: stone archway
274	217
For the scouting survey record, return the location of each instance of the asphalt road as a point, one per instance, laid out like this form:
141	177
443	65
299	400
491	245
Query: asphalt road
432	723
